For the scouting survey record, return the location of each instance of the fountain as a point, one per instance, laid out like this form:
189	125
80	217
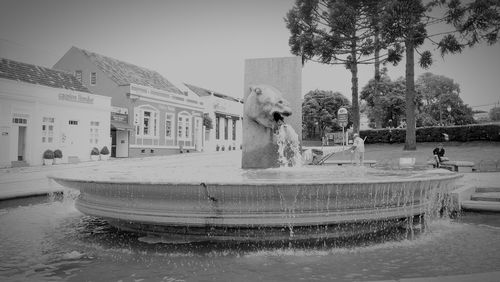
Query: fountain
262	201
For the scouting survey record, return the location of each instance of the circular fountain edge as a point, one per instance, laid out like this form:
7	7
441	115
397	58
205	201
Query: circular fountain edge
252	209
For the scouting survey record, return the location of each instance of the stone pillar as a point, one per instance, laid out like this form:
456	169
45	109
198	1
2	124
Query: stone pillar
239	132
221	130
284	74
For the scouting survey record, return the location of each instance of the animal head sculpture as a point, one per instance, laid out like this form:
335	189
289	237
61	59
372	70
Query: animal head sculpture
266	106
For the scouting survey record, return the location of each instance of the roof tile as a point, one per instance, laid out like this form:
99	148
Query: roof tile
125	73
29	73
205	92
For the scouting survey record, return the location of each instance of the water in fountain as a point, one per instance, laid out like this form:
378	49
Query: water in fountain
47	239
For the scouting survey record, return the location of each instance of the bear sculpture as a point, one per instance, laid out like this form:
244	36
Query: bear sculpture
264	111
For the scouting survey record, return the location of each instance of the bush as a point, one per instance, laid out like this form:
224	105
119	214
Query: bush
94	152
48	154
105	150
58	154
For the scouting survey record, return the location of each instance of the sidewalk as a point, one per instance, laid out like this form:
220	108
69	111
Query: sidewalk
477	277
32	181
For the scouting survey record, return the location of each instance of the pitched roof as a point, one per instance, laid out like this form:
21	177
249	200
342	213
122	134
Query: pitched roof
205	92
125	73
19	71
198	90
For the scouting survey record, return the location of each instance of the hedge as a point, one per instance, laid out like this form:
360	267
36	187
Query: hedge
461	133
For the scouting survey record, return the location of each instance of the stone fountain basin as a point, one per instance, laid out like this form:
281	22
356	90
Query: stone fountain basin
181	201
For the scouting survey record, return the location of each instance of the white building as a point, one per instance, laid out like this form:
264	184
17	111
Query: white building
226	113
41	108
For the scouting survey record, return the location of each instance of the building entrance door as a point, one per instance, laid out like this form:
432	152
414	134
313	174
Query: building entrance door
113	143
76	141
21	144
121	140
120	134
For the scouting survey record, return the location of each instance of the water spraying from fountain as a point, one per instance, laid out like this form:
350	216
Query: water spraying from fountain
288	146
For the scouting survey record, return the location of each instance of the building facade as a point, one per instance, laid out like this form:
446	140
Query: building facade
150	116
41	109
226	113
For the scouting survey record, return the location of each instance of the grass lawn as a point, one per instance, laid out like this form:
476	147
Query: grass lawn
485	155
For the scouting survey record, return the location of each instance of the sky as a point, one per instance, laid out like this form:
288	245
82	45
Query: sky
205	43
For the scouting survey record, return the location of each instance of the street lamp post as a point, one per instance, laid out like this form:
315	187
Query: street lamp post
449	114
316	125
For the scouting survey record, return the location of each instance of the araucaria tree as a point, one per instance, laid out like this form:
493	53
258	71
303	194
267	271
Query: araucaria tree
407	21
336	32
403	20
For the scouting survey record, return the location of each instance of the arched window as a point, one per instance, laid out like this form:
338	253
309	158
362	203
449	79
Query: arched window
184	126
169	126
146	121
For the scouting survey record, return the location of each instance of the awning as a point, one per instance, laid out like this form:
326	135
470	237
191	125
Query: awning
226	115
119	125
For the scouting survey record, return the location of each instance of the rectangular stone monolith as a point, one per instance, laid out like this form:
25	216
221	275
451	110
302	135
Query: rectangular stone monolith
284	74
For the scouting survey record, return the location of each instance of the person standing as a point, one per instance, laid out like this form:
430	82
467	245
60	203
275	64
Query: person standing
358	148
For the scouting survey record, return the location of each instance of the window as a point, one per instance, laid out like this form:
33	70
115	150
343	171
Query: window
48	130
146	121
184	126
155	124
169	126
226	128
180	122
78	75
217	128
187	126
234	129
73	122
20	120
93	78
94	132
